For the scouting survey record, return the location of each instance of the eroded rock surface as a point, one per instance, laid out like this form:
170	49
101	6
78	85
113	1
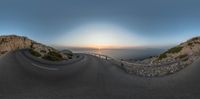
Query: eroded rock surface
13	42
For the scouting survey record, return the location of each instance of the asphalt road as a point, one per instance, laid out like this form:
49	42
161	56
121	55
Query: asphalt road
90	78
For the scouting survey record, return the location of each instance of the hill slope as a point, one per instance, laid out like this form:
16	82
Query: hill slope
190	49
169	62
12	42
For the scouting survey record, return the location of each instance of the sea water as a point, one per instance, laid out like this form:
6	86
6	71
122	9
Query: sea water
130	53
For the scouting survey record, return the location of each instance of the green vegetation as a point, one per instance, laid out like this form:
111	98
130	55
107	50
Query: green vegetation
68	53
196	38
34	53
196	42
43	51
175	49
190	44
172	50
53	56
162	56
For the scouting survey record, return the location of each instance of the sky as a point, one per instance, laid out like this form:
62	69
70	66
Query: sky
102	23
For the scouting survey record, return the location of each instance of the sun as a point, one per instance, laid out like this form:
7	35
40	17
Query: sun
101	46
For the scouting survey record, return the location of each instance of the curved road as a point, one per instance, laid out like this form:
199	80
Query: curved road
90	78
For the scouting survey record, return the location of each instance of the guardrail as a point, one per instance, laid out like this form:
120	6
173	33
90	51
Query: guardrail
101	56
117	62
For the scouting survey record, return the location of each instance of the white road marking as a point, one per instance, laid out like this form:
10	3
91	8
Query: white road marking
43	67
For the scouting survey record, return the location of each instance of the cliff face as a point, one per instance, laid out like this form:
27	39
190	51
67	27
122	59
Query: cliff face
10	43
13	42
191	47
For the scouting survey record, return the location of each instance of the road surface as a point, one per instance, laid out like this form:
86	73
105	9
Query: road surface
90	78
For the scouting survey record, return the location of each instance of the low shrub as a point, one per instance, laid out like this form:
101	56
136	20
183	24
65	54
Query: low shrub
68	53
175	49
196	38
190	44
34	53
172	50
53	56
196	42
162	56
43	51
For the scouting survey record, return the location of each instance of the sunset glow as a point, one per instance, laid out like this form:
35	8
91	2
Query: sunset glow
100	35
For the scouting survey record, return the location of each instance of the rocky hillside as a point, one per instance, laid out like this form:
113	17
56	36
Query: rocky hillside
13	42
169	62
188	49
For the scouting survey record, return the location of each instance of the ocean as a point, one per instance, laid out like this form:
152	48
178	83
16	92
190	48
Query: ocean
133	53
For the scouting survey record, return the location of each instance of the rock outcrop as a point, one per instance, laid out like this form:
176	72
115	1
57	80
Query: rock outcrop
13	42
169	62
190	48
